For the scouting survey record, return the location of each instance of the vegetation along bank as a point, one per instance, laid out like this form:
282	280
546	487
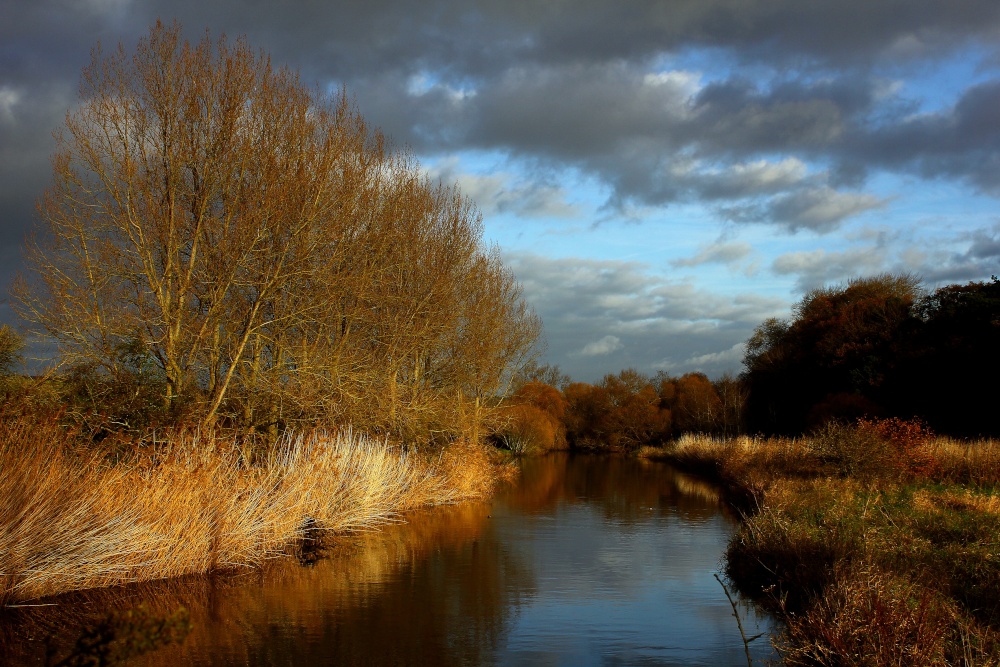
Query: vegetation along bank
232	271
870	492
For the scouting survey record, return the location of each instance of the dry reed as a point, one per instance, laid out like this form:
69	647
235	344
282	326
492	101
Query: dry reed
875	542
70	519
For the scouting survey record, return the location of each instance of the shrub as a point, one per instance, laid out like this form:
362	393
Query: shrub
870	618
528	428
910	440
889	449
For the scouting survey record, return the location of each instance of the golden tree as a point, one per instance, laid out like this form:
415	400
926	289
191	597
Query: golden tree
260	246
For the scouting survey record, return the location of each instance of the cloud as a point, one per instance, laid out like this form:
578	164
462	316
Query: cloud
985	243
596	90
819	209
9	99
730	358
602	347
717	253
505	192
961	141
657	138
786	114
647	317
817	268
946	262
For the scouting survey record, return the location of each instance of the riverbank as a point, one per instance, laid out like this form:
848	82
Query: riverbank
74	518
585	559
876	544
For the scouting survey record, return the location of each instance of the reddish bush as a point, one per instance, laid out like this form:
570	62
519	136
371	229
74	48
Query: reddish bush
910	439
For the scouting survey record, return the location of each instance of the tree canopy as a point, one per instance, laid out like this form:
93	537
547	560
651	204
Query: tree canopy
879	346
256	251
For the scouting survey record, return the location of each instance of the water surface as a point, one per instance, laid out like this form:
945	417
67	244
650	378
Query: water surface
587	561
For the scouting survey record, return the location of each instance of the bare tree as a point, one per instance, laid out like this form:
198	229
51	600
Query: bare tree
261	245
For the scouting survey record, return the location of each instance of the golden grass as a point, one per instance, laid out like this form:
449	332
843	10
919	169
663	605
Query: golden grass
71	520
359	566
867	561
974	462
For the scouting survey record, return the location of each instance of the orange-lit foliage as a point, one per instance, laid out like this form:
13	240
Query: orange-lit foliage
587	409
694	403
698	407
528	429
535	420
910	438
623	412
544	397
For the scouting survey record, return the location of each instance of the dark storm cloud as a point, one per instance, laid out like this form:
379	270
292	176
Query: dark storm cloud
479	38
657	138
786	130
566	82
848	32
960	142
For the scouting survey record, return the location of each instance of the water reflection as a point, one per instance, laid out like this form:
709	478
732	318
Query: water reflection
589	560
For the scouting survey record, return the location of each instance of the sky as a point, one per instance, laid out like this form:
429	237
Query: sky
661	175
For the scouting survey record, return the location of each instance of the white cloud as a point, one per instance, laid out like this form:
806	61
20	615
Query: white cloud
505	192
821	209
9	99
817	268
602	347
730	358
716	253
652	317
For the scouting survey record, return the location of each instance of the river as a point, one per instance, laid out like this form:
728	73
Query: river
589	560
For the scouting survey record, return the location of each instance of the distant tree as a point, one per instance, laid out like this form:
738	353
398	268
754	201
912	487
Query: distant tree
622	412
697	407
588	415
635	418
533	420
257	248
843	340
732	393
549	374
950	364
543	396
693	402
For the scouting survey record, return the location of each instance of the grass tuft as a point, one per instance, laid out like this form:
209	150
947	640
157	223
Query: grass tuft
73	518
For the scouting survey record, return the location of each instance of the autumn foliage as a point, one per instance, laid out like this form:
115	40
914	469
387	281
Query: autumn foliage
534	420
879	347
630	410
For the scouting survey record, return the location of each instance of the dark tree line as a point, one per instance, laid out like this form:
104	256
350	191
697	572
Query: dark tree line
879	347
875	347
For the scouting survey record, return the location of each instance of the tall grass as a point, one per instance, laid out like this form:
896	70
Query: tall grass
74	518
876	542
